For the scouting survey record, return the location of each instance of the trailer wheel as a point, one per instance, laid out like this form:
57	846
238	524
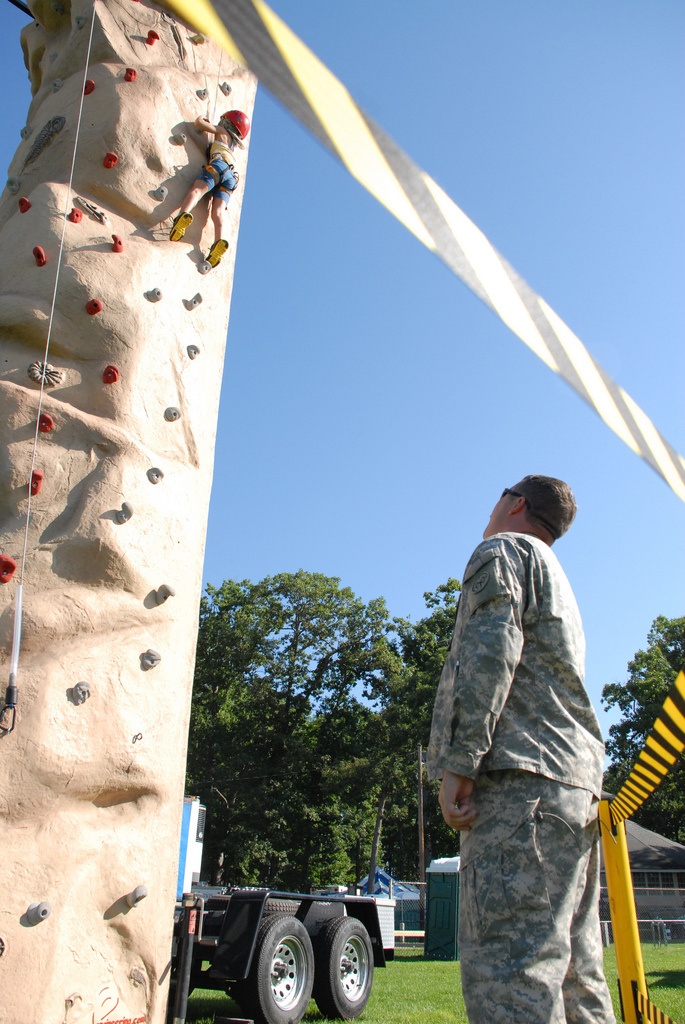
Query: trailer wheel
344	968
279	986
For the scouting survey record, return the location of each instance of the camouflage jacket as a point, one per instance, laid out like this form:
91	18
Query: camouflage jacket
512	694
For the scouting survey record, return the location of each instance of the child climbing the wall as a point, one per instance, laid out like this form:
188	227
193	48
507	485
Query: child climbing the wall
218	179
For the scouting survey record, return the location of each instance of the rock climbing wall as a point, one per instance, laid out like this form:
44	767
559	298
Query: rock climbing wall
110	454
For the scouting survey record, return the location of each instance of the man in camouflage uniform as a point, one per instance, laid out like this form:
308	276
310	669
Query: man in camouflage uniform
518	746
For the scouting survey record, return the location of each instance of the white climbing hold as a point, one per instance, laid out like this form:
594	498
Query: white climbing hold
13	185
202	93
154	295
37	912
204	267
26	131
125	512
192	303
198	39
138	894
193	351
80	693
154	475
161	193
80	20
225	88
149	659
57	85
179	138
172	413
45	373
163	593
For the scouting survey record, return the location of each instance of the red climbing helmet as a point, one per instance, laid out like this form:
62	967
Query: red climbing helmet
240	122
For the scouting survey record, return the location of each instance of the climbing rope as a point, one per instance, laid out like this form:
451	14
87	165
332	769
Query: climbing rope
8	713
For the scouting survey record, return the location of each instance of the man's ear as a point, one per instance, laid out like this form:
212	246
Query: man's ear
518	506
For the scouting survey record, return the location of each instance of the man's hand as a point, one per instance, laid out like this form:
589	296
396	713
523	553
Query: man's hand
455	800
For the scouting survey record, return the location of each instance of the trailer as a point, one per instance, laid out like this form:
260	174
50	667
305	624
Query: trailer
272	951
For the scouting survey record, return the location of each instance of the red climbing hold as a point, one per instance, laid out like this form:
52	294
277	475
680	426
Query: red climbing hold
94	306
45	423
110	160
76	216
110	375
24	204
117	244
130	75
39	253
152	38
7	568
88	87
36	481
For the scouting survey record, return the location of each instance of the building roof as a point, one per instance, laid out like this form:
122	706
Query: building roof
649	851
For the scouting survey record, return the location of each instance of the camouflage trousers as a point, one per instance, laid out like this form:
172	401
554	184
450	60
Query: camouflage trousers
529	933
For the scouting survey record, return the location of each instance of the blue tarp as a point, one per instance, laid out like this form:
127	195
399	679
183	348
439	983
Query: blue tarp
400	890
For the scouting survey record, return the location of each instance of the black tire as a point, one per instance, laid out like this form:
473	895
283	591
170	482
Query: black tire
279	986
344	968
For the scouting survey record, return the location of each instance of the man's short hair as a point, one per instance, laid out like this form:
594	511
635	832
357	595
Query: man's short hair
552	499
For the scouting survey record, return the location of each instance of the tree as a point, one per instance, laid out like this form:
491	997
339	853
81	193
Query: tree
651	675
279	747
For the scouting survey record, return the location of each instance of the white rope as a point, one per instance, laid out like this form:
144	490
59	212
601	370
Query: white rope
16	638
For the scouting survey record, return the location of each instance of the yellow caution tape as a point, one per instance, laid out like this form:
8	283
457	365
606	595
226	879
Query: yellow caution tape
254	35
648	1012
663	747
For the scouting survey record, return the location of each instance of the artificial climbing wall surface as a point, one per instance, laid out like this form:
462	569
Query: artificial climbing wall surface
109	462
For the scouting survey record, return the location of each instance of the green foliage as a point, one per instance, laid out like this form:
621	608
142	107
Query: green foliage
308	709
651	675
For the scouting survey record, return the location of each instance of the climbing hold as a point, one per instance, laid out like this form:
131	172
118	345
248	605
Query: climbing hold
45	137
94	306
53	57
8	567
57	85
80	20
161	193
154	295
163	593
117	244
92	210
75	216
140	891
110	375
125	513
179	138
154	475
149	659
136	977
130	75
152	38
26	131
39	253
88	87
24	205
37	912
45	423
172	413
80	693
110	160
193	351
192	303
202	93
204	267
198	38
225	88
45	373
13	185
36	481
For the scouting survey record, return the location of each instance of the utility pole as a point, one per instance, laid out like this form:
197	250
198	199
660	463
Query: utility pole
422	850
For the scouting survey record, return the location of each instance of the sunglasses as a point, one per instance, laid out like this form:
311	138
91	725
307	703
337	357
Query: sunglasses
545	523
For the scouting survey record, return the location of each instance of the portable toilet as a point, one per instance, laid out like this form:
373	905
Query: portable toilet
442	911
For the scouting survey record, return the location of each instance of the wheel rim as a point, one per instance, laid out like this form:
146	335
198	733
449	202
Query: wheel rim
288	972
354	968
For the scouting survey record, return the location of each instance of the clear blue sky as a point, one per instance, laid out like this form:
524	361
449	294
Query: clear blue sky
373	409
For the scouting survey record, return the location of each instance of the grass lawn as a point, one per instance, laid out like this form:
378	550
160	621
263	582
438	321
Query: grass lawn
411	990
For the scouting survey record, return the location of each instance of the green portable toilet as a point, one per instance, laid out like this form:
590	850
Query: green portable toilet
442	911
